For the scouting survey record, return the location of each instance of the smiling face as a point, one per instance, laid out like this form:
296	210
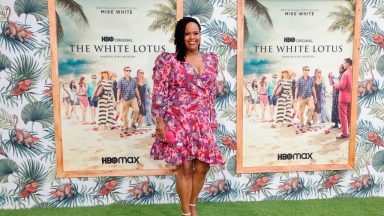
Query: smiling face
192	37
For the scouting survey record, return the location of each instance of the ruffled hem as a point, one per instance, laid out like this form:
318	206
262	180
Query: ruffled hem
158	153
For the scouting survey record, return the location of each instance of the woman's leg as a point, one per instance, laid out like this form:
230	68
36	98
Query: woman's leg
247	105
198	181
184	185
66	109
263	107
83	111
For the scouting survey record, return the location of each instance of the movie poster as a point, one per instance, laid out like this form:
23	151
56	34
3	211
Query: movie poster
288	123
101	133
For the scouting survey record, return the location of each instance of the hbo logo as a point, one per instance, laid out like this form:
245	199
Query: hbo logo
107	39
289	39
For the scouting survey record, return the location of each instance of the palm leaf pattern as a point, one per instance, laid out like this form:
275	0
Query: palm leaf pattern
6	120
31	180
232	66
222	190
226	141
74	11
374	96
13	44
5	62
331	181
220	2
259	184
82	194
3	14
229	113
200	9
380	10
260	12
164	17
36	8
344	19
23	78
23	166
377	111
21	150
38	112
138	196
108	188
378	161
227	97
364	186
295	189
7	167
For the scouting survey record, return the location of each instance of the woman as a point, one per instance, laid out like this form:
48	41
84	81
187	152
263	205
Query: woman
294	103
73	88
321	113
67	98
106	102
82	97
117	106
284	100
248	100
183	103
263	94
142	87
318	79
255	96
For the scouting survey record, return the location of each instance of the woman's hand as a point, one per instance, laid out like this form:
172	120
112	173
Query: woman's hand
160	128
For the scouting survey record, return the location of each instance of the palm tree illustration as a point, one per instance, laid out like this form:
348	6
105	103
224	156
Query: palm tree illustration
258	11
344	19
164	16
73	10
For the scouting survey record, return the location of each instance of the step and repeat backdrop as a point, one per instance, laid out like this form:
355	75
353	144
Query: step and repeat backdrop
64	141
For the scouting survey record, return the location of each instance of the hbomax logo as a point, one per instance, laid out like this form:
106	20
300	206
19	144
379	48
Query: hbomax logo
295	156
119	160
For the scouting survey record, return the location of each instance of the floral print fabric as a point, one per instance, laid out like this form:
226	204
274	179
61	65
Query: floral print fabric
185	100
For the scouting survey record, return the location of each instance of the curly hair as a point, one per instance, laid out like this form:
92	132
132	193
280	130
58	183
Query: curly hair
181	49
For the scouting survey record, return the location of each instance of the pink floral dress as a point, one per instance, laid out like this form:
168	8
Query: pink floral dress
186	102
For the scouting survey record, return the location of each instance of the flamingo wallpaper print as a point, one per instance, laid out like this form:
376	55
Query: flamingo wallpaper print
27	147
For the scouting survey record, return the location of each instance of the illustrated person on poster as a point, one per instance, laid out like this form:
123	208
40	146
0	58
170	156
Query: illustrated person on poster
106	100
93	101
148	100
294	102
318	89
247	98
82	96
345	91
128	95
255	97
284	101
67	99
335	97
142	88
117	105
306	95
183	104
73	88
263	93
272	99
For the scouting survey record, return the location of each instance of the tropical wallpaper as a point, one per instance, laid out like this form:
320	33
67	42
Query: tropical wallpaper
27	147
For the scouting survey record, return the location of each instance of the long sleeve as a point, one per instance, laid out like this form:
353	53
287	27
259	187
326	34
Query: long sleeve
160	84
343	83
